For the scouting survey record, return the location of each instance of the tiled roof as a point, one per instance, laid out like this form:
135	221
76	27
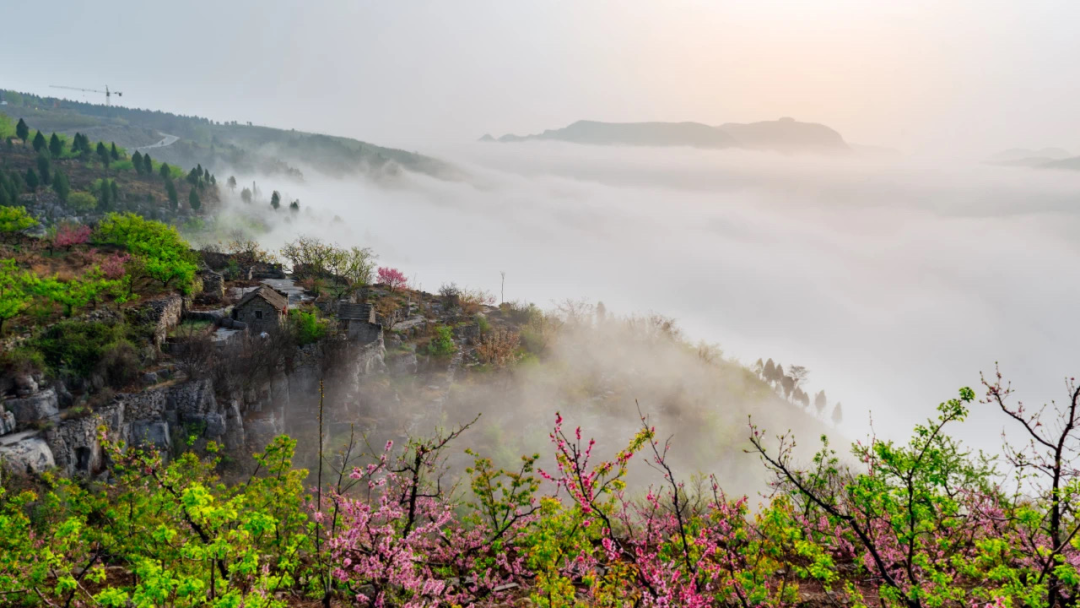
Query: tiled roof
267	293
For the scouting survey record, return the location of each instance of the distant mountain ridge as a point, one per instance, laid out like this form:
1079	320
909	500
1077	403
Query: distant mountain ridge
1046	158
783	135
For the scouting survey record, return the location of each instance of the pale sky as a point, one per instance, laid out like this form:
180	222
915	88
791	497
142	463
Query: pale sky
962	76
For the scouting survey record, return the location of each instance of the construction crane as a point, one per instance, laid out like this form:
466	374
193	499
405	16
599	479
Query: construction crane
107	92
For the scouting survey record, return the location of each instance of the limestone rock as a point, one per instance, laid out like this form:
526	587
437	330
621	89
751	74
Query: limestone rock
25	453
37	407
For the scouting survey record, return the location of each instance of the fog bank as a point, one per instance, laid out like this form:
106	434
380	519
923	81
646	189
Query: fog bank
894	282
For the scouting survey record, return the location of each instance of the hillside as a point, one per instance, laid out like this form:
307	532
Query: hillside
783	135
218	145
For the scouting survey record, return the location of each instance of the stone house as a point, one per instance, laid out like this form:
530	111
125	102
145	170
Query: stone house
263	309
358	322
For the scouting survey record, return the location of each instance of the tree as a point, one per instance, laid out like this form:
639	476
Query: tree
105	196
68	235
165	171
56	147
165	255
82	201
137	163
245	195
22	131
174	198
769	370
61	186
44	166
820	402
837	414
40	143
148	165
193	200
295	206
275	200
393	278
192	177
32	181
113	152
14	296
15	219
231	183
103	154
115	191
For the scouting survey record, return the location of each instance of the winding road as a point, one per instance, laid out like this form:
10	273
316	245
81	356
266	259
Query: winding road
168	141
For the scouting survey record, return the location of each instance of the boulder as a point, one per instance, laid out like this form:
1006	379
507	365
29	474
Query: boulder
37	407
25	453
151	433
7	422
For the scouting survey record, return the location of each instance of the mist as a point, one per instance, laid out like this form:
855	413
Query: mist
895	282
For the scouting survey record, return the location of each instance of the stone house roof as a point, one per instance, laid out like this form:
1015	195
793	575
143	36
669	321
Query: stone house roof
267	293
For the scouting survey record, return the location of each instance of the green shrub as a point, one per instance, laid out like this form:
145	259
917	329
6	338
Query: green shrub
442	343
309	327
83	348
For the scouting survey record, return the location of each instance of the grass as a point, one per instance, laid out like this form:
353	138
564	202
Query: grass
7	126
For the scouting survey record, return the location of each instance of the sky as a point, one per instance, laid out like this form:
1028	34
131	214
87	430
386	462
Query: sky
943	77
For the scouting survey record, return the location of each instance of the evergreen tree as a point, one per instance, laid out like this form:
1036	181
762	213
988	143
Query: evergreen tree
174	198
56	147
44	169
103	154
275	200
213	180
148	165
22	131
40	143
231	183
295	206
837	414
137	162
105	196
61	186
31	180
769	371
113	152
115	191
245	195
165	171
193	200
192	177
199	170
820	402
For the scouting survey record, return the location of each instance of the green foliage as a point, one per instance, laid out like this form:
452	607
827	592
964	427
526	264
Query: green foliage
22	131
174	197
89	289
40	144
44	166
82	201
163	253
61	186
442	342
14	294
309	327
32	180
56	147
275	200
15	219
82	348
193	200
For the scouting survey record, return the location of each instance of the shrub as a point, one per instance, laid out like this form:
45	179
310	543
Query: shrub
68	235
309	327
442	342
76	346
120	364
82	201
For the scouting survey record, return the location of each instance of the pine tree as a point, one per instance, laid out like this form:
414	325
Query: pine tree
61	186
231	183
820	402
174	198
137	162
113	152
193	200
115	191
31	180
22	131
275	200
105	196
148	165
56	147
837	414
44	169
295	206
165	171
769	371
245	195
39	142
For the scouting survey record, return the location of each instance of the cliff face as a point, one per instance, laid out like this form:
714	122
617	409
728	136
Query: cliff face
35	436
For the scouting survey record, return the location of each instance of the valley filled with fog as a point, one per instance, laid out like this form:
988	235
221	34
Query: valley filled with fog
894	281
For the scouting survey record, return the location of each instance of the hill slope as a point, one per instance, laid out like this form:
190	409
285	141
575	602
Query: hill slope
784	135
216	145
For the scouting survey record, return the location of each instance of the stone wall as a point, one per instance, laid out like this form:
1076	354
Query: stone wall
164	314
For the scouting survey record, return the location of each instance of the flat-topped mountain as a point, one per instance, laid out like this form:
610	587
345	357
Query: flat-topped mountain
783	135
